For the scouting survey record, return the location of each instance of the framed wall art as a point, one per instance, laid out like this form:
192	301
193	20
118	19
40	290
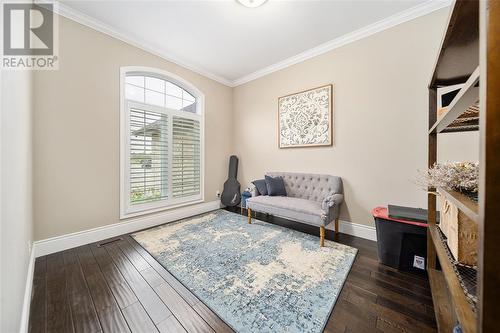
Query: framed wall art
305	119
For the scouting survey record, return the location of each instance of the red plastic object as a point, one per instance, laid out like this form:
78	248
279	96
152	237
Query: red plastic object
381	212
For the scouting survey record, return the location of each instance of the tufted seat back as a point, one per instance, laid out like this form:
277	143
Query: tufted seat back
309	186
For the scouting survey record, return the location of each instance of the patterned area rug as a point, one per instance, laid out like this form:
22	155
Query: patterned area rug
257	277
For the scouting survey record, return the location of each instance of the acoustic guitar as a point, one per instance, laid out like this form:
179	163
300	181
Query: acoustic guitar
231	195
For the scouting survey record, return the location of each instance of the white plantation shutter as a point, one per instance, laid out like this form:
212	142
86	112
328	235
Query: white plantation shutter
161	163
149	156
185	157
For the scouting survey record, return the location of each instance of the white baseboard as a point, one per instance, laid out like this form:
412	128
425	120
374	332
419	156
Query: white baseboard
358	230
25	314
64	242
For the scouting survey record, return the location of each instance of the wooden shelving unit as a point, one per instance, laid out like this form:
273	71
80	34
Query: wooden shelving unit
464	101
441	300
469	56
464	310
464	203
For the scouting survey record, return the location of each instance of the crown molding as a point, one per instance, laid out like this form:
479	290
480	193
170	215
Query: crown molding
399	18
77	16
389	22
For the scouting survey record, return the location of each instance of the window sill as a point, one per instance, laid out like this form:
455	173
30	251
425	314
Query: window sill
124	215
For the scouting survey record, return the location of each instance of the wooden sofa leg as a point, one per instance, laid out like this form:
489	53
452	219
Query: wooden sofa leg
337	225
249	216
322	236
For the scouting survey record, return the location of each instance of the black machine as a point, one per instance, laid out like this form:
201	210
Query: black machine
231	195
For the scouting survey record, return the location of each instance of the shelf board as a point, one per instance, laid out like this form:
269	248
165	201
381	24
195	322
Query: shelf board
467	121
463	308
466	99
441	301
464	203
459	51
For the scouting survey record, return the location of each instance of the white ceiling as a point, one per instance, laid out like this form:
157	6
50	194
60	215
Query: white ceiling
231	42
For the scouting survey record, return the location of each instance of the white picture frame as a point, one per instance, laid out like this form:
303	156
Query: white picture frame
305	119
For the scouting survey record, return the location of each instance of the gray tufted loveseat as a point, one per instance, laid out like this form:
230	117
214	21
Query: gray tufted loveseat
311	198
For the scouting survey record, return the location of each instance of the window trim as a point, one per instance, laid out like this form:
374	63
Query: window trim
126	209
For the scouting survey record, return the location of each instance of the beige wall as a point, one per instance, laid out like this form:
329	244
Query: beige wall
380	123
16	227
380	117
458	147
76	131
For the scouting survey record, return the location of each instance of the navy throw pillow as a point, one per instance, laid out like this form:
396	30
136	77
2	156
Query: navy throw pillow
275	186
260	184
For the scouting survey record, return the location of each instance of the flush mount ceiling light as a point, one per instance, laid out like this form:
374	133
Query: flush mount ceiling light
251	3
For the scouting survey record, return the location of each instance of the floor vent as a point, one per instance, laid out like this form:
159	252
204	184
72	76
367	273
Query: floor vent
110	241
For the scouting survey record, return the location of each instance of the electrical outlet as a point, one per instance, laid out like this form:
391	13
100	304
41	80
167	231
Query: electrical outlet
217	194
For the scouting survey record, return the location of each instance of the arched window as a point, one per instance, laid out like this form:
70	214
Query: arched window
161	139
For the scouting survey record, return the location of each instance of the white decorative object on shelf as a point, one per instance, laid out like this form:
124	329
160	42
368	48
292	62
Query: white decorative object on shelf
305	119
456	176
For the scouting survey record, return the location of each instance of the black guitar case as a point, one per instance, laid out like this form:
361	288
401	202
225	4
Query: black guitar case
231	195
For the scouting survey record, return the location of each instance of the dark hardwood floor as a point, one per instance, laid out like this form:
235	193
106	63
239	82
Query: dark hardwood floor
116	286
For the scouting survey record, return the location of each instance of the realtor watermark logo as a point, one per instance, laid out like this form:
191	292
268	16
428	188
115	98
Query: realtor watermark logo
30	36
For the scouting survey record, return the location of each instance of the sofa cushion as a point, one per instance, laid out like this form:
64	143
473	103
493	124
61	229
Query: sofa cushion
261	186
275	186
309	186
296	209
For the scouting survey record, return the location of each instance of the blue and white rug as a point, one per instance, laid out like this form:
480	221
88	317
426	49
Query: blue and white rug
257	277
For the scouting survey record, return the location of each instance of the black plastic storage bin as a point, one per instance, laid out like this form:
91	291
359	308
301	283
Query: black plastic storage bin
401	244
